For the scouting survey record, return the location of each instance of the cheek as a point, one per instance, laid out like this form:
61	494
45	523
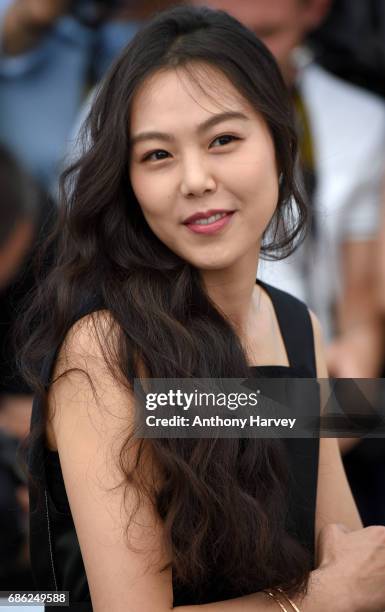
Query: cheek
256	177
152	193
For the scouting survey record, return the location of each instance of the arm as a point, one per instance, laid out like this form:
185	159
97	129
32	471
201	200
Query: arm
357	352
89	413
380	259
87	424
27	21
335	503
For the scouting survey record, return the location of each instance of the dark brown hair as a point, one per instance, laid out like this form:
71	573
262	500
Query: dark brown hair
222	501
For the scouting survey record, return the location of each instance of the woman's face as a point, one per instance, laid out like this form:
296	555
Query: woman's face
202	167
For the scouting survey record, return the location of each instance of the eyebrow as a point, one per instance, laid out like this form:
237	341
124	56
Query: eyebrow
202	127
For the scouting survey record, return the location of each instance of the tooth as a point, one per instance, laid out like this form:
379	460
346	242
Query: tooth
209	220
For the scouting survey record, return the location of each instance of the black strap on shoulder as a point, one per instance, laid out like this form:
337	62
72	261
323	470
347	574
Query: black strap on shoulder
296	328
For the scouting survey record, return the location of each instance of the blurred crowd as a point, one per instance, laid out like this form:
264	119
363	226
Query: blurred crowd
53	54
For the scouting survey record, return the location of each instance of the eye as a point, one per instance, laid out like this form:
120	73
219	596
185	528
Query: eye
157	155
224	140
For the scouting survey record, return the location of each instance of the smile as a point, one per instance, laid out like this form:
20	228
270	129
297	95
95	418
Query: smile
211	224
209	220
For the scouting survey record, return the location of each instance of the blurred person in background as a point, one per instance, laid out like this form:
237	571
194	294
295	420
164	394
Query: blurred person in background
141	10
51	53
342	154
351	42
342	136
24	218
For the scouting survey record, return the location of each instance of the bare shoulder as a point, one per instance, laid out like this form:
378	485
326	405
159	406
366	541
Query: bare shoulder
316	324
92	417
85	382
319	346
84	340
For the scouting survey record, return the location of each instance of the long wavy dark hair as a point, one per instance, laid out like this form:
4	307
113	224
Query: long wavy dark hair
222	501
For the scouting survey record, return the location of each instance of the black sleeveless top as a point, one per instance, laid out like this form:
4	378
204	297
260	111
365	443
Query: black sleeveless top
54	548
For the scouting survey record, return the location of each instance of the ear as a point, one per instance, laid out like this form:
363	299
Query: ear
315	13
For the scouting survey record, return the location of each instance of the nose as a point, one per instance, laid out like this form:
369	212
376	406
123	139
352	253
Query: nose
197	178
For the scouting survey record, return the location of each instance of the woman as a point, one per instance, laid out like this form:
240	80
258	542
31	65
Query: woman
187	176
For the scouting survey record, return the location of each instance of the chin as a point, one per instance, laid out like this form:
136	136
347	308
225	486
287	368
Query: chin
213	264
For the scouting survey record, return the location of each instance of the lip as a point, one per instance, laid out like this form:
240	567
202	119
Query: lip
210	228
205	215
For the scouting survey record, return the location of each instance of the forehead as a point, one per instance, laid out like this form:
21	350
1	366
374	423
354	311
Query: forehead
186	95
255	13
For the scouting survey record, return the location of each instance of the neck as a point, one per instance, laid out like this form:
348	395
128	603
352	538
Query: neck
233	291
289	70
